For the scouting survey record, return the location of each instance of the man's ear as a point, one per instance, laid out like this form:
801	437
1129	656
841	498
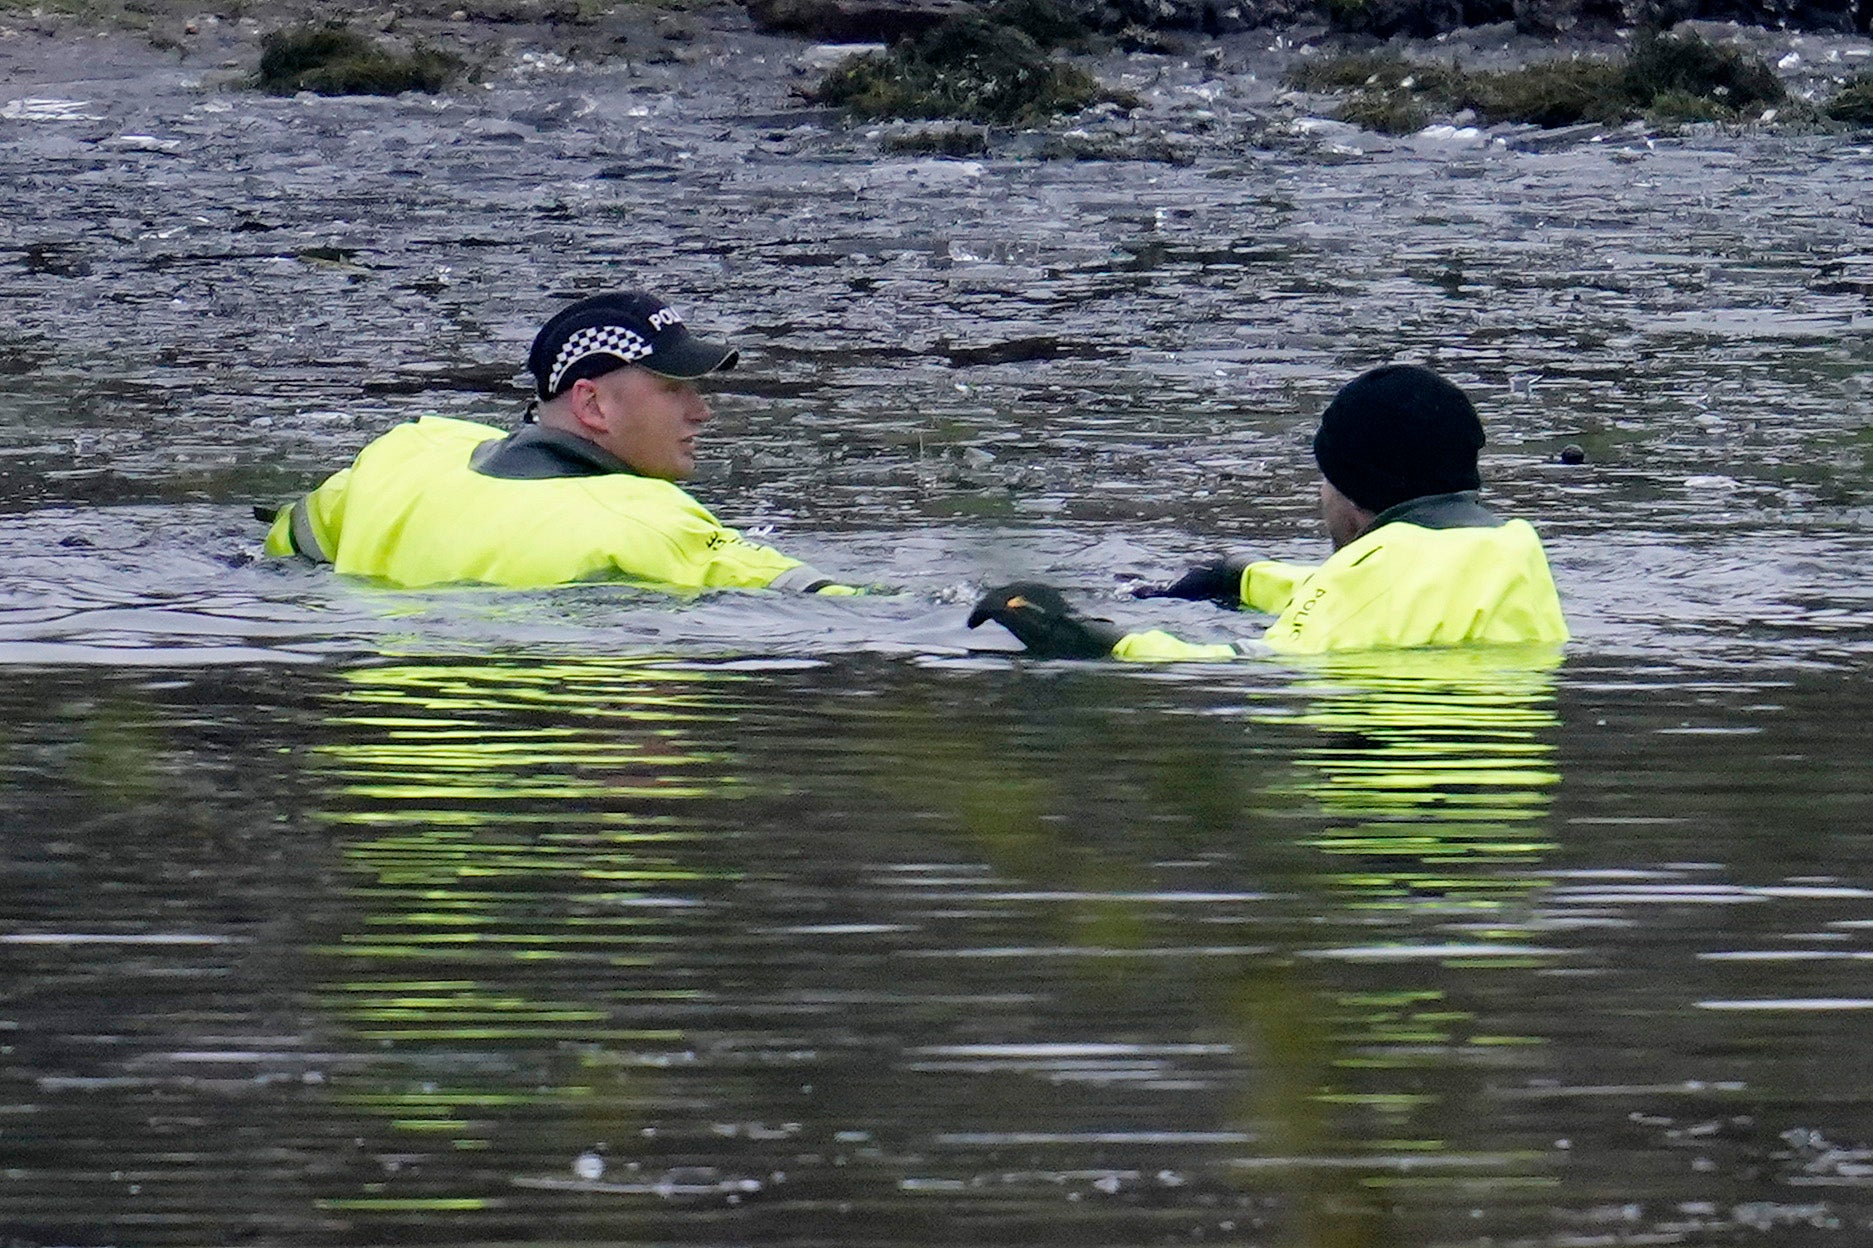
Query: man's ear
585	408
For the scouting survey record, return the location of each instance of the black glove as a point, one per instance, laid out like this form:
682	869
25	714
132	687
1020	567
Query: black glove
1217	581
1042	621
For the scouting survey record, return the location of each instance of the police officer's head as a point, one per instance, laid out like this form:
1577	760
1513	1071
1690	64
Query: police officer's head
619	370
1396	433
605	332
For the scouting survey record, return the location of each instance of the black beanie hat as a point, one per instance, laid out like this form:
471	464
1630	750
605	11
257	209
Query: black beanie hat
1397	433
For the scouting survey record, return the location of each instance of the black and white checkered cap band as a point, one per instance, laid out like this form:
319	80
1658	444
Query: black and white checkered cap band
615	340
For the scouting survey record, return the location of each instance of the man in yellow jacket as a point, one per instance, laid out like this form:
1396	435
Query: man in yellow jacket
584	490
1417	560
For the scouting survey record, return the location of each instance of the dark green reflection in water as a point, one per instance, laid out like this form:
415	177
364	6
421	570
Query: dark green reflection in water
964	960
1404	801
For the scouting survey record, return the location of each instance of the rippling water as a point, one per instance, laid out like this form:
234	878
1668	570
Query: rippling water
335	915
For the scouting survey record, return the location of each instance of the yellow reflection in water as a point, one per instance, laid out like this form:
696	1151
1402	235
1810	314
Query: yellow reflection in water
1436	771
519	836
1430	775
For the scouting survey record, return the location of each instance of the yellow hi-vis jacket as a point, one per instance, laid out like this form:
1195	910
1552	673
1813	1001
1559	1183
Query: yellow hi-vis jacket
1435	571
441	500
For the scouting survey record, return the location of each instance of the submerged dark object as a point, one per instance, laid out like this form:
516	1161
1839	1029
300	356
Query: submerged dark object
1573	453
939	141
853	21
333	59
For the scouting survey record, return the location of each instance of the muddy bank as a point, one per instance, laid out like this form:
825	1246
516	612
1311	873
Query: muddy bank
487	37
1167	97
493	36
885	19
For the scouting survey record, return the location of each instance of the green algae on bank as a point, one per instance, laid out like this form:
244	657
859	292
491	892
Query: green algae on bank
1668	78
1853	103
333	59
1386	112
1381	70
996	68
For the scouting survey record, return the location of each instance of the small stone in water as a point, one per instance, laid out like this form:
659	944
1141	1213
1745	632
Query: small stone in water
589	1166
1573	453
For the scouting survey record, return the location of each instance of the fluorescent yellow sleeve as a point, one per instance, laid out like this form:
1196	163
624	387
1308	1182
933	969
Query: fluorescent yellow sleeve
279	537
1268	584
1160	647
311	526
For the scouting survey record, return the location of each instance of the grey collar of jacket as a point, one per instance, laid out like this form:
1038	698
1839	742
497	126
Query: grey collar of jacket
537	453
1439	511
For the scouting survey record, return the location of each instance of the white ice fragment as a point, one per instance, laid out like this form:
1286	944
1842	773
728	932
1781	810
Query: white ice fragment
1462	136
46	109
541	63
827	55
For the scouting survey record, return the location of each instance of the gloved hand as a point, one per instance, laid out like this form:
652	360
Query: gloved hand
1217	581
1041	620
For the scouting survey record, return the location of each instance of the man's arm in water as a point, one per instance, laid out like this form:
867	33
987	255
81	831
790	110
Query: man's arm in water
1046	624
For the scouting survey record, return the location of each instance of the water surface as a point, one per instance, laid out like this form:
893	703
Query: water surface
340	915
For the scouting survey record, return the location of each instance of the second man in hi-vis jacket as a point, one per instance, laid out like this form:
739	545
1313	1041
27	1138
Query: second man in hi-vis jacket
1417	560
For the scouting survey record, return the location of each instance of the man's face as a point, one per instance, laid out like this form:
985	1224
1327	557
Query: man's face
650	421
1345	519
